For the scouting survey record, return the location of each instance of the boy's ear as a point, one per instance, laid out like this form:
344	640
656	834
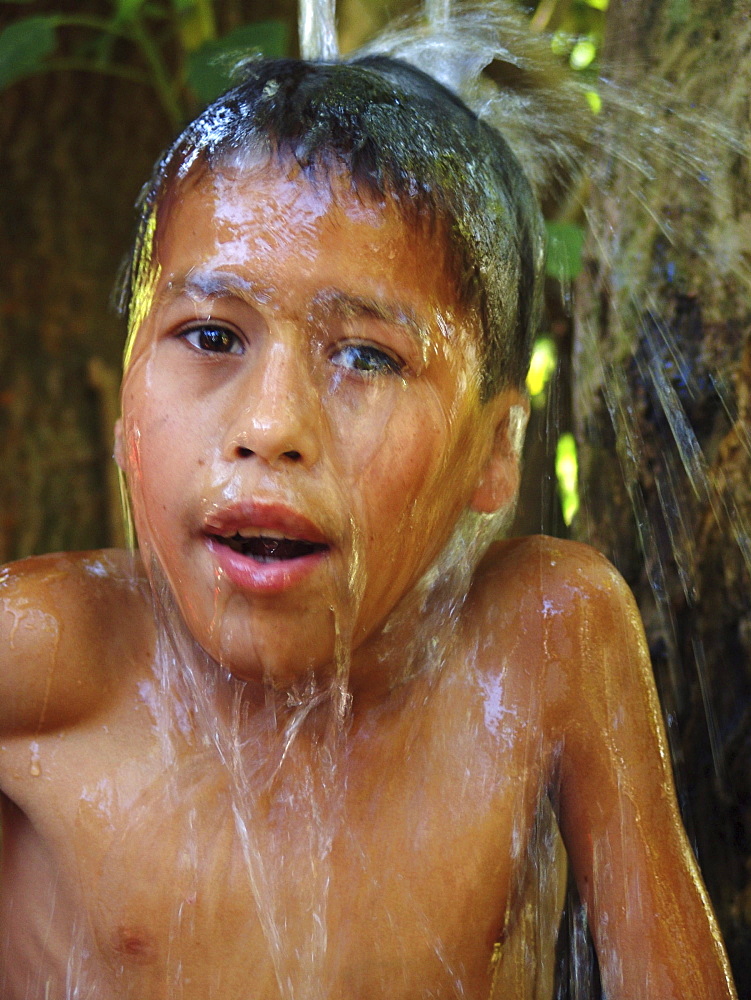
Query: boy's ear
499	480
119	452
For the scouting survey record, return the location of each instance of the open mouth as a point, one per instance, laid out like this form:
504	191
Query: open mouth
266	548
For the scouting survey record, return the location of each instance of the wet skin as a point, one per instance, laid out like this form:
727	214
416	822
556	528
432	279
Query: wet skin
304	370
304	379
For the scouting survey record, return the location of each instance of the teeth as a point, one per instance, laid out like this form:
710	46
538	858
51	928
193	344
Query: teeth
259	533
251	533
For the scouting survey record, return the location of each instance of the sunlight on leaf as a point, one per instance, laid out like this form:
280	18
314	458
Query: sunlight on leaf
594	101
541	367
583	54
567	474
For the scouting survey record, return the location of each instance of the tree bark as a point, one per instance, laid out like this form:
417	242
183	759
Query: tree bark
75	148
663	400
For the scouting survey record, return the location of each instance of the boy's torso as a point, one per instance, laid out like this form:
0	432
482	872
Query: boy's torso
133	871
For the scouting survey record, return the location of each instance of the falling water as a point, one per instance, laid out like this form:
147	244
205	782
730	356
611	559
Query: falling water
438	14
679	428
317	21
653	144
246	771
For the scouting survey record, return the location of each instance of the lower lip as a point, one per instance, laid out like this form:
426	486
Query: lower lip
257	577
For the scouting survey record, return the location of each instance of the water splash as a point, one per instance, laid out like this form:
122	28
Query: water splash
184	700
649	173
666	256
438	14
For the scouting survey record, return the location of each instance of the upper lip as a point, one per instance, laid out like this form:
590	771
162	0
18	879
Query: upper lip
257	517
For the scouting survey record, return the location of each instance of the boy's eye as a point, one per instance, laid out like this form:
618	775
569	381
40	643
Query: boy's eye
366	359
213	339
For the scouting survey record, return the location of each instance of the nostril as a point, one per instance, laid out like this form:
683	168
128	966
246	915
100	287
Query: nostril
242	451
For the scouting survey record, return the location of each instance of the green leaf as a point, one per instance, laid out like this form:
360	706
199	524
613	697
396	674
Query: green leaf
679	12
24	47
565	244
128	9
210	67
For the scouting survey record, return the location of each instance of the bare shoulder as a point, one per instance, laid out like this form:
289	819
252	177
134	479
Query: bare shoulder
551	575
66	622
570	619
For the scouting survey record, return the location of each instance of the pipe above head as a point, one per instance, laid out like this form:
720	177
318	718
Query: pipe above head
317	28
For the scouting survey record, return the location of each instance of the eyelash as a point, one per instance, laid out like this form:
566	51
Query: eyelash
385	363
232	341
366	360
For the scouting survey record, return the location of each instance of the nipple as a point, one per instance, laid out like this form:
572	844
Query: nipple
134	944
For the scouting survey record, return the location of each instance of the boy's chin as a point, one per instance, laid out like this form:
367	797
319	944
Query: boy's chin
283	656
278	673
266	650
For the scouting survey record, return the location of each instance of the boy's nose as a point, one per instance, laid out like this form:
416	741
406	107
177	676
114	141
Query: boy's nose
277	413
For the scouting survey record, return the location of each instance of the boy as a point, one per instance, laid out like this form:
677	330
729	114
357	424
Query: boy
302	744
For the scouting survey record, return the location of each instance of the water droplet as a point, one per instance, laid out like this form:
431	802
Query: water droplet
35	767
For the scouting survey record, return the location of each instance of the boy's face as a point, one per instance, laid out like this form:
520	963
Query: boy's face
301	425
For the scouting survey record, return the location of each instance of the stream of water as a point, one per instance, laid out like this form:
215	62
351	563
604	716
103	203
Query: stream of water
289	764
654	174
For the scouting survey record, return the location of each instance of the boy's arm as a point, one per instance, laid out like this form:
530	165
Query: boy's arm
654	931
58	622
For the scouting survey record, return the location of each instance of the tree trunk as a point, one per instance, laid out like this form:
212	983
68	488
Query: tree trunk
663	401
75	148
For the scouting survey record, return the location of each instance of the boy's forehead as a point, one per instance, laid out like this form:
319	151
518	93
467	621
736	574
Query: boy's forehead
282	186
230	201
302	250
268	225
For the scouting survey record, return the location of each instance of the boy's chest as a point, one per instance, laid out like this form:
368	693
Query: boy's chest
230	903
390	874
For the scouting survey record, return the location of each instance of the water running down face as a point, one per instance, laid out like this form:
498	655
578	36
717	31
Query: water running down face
301	418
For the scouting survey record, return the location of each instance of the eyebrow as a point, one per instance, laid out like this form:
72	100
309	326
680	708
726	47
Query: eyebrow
393	313
211	284
200	284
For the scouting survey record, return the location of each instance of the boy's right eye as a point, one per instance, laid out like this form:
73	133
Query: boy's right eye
213	339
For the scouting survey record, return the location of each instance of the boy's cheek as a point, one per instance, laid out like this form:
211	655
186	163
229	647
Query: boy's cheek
365	431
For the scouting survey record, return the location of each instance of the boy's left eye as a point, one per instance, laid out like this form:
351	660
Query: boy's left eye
213	339
366	359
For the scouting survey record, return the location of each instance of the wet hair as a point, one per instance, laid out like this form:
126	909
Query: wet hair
397	134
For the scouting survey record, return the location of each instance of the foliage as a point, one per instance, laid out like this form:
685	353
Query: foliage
576	30
209	68
171	45
565	245
24	46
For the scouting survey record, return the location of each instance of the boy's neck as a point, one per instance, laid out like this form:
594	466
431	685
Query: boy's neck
414	642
